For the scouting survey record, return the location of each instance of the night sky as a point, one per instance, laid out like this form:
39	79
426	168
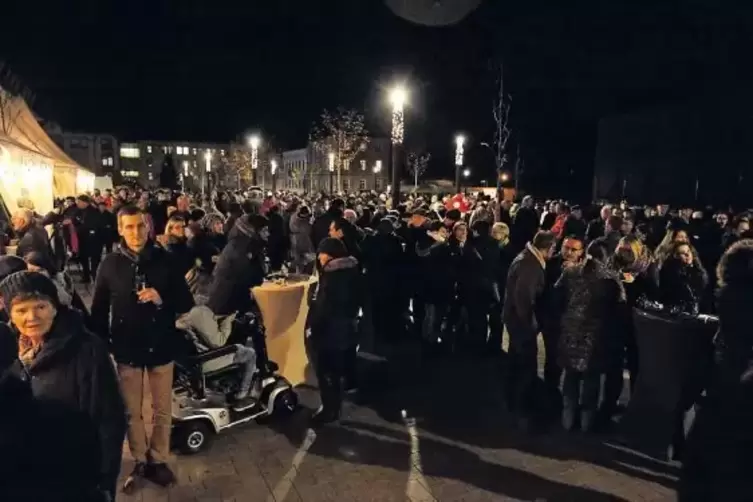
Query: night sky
205	71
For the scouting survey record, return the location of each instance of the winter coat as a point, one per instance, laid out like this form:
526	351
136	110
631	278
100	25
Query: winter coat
301	237
73	369
334	311
682	287
239	268
320	228
573	226
437	274
592	295
525	226
141	334
181	254
33	238
383	258
52	451
523	290
717	462
595	230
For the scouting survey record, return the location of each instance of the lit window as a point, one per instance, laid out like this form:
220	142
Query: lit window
194	163
164	150
148	148
179	150
222	152
194	151
346	164
362	182
150	176
363	165
185	150
130	152
129	174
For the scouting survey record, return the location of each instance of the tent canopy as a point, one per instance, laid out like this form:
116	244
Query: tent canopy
20	125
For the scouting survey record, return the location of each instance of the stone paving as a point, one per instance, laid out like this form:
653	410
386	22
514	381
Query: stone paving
421	431
437	432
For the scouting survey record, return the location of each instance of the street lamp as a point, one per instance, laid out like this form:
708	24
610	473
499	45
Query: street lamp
204	177
459	143
254	141
273	169
466	172
331	167
398	98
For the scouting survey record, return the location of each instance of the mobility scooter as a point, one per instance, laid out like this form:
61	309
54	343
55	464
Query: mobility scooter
205	383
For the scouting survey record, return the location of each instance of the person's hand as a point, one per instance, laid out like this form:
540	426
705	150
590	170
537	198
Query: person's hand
162	239
627	277
150	295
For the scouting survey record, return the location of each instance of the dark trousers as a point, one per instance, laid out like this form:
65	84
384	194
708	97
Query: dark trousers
587	398
626	356
552	370
496	329
522	376
331	367
89	257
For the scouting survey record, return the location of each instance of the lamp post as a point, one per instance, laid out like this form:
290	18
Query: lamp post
331	167
377	170
398	97
254	141
273	169
205	175
459	143
184	175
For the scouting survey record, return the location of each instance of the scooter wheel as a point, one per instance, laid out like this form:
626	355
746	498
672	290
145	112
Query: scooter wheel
285	403
193	437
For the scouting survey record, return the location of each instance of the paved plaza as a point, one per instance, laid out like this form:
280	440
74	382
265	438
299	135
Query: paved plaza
421	431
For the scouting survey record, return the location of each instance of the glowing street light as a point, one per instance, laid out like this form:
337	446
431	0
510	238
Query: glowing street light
208	159
466	172
254	141
331	167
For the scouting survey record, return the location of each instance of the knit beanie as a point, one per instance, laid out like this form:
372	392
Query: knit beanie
28	283
333	247
10	264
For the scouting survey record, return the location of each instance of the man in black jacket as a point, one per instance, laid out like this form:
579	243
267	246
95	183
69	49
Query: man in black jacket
89	228
321	226
525	285
145	293
332	322
31	236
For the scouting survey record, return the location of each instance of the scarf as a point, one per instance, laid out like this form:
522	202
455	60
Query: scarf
27	351
139	257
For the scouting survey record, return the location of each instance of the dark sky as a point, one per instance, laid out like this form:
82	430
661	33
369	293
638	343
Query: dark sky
210	70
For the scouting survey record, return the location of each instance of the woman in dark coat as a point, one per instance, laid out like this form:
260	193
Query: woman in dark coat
717	463
591	295
66	365
682	279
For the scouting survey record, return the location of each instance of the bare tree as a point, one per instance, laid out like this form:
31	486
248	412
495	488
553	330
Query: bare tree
341	133
417	164
502	133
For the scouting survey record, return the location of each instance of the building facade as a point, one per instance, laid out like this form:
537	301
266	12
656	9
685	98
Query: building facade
308	169
96	152
141	162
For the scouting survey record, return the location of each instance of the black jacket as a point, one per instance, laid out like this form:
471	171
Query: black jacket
525	285
239	268
33	238
320	228
334	311
141	334
89	225
74	370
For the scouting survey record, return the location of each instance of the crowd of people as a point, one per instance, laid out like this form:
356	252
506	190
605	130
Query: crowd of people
454	273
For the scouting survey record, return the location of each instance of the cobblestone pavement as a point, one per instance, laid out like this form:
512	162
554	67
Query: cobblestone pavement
421	431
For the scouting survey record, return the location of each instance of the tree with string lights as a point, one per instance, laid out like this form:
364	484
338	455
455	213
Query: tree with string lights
417	165
341	134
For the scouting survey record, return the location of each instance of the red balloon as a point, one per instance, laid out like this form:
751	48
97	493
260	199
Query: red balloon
433	12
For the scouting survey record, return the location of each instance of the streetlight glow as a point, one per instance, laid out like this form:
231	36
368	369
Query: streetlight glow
254	141
466	172
460	140
398	97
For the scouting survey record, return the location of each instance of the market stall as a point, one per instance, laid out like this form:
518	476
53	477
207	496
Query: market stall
25	178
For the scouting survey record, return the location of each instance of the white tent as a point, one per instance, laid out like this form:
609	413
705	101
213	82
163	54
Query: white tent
26	177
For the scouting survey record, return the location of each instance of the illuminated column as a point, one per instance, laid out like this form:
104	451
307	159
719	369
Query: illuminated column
459	143
398	97
254	142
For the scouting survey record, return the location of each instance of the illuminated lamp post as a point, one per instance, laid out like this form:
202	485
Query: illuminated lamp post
254	142
398	98
459	143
